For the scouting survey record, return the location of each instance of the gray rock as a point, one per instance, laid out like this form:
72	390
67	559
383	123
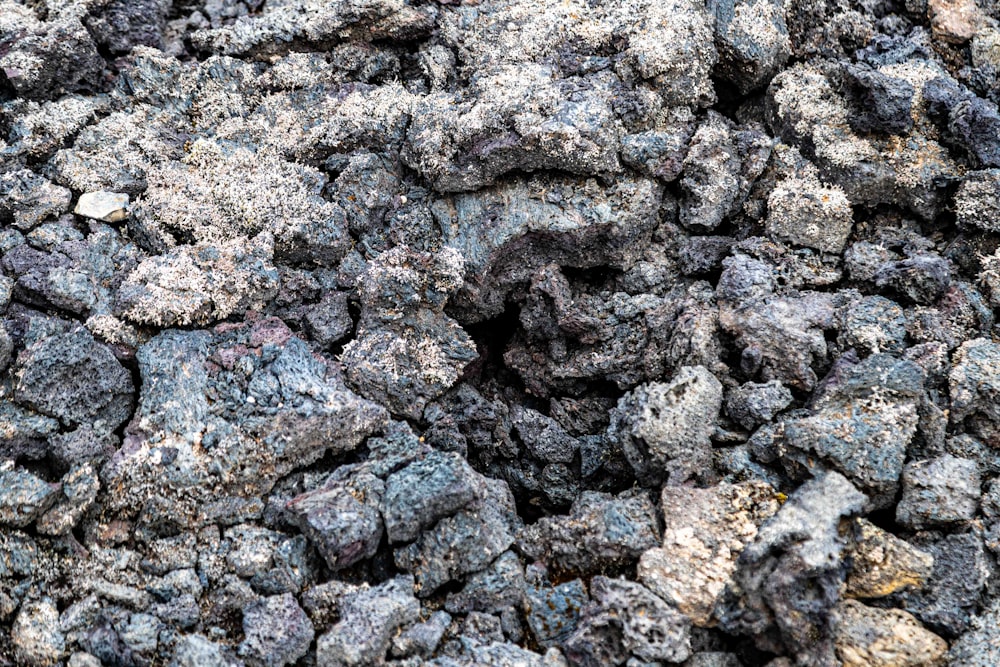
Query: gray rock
600	531
493	589
198	651
277	632
752	404
341	519
951	597
553	611
24	497
788	579
626	619
937	492
369	619
79	492
665	428
421	639
506	233
752	40
429	489
464	543
28	199
75	379
978	646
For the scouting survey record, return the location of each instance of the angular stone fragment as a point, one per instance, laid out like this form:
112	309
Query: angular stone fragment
754	403
861	425
938	492
665	428
341	519
102	205
626	619
600	531
369	619
464	543
24	497
494	589
277	632
954	21
553	611
952	594
227	414
72	377
883	564
35	635
869	637
197	651
425	491
706	530
788	579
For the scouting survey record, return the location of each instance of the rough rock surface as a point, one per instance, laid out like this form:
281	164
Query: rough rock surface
499	333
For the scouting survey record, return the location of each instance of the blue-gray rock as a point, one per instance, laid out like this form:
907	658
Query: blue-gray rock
429	489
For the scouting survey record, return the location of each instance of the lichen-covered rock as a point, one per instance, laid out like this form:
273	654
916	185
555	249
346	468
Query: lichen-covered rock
807	111
198	284
937	492
706	529
46	58
752	40
665	428
311	23
407	351
35	635
805	212
976	200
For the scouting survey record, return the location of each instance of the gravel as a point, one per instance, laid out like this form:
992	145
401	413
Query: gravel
499	333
